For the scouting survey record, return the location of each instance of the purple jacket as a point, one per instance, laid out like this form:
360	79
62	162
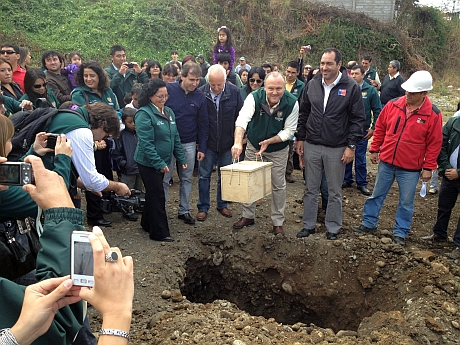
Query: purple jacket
221	49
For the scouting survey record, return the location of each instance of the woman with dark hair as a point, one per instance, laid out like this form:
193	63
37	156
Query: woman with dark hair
153	69
24	60
9	87
36	90
93	86
256	78
243	73
158	141
170	73
311	73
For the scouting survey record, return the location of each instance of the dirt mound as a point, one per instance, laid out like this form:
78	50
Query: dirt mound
215	285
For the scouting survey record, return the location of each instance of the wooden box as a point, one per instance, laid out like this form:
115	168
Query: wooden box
246	181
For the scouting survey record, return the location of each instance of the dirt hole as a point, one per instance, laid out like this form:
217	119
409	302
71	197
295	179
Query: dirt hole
311	291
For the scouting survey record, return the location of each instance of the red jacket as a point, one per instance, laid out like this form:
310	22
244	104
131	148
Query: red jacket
412	143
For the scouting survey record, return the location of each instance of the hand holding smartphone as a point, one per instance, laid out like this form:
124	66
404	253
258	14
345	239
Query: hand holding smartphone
81	260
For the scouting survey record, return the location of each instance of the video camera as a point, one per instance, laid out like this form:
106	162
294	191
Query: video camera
127	205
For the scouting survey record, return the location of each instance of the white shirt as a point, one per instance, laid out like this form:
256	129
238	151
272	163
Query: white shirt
249	107
82	142
392	77
328	88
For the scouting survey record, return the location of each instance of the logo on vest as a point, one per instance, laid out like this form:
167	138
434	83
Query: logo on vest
159	123
279	116
364	94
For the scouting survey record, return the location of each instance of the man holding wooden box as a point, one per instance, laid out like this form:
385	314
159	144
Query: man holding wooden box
269	115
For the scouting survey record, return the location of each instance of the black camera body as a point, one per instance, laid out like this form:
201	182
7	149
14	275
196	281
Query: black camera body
129	65
51	140
127	205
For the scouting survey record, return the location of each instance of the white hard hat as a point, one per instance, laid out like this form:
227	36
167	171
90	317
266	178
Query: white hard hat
418	82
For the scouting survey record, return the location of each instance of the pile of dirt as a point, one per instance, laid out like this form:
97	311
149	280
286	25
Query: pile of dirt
216	285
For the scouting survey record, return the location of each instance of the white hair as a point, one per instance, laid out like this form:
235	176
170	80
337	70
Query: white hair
214	69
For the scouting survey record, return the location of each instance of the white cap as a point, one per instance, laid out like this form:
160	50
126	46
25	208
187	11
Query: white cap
418	82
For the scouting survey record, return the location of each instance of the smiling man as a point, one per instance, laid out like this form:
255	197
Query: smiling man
331	123
51	62
276	112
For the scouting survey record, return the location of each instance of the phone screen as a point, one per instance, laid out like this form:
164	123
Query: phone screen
82	262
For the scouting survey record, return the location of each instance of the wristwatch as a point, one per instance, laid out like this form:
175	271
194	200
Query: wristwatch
352	147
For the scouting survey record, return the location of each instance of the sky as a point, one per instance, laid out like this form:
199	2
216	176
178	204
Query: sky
439	3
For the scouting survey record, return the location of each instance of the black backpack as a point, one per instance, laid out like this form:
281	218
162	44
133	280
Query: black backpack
26	126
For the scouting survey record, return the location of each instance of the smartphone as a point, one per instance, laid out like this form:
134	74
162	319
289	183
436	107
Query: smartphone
51	140
307	47
16	173
130	65
81	259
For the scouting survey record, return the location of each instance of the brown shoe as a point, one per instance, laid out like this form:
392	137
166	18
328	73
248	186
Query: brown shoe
243	222
225	212
278	230
201	216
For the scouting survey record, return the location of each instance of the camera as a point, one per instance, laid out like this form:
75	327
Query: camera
307	47
127	205
51	140
41	103
129	65
16	173
81	259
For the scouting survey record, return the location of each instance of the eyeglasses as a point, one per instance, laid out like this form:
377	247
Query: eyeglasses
162	96
258	81
9	52
37	86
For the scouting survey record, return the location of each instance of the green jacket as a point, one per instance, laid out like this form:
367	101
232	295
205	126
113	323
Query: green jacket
16	203
84	95
370	75
372	103
297	88
52	99
53	261
264	125
12	106
158	138
121	85
450	141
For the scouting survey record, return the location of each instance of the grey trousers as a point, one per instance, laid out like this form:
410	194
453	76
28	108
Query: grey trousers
316	157
278	159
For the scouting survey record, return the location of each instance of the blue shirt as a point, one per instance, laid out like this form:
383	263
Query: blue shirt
191	114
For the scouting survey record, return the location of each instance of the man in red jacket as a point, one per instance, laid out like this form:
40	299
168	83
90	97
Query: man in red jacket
407	141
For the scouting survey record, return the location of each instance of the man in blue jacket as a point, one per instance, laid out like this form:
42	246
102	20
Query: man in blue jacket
224	102
189	106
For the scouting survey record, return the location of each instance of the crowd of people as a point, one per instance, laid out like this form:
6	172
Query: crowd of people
145	120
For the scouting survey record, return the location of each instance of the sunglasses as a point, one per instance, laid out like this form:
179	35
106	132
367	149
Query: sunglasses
9	52
37	86
258	81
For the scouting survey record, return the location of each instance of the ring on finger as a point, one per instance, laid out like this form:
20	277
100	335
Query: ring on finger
111	256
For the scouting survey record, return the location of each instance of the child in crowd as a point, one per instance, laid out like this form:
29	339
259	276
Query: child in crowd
224	44
123	153
72	68
135	92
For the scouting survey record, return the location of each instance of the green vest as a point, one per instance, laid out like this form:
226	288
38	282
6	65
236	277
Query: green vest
265	125
370	75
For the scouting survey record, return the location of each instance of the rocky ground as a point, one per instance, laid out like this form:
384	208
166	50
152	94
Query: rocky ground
215	285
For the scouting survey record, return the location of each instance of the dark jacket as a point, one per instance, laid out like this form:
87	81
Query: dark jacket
410	143
123	154
450	142
16	88
370	75
60	86
222	123
372	105
52	261
391	89
158	138
341	124
121	85
51	97
191	113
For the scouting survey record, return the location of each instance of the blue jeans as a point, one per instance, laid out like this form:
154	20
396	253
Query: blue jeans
204	181
407	183
360	165
185	176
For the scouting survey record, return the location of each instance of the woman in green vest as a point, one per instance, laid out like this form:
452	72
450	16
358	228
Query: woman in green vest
36	90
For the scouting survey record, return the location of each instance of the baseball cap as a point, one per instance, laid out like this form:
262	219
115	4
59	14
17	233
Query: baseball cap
242	58
200	56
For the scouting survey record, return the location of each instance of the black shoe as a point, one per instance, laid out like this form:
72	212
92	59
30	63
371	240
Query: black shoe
399	240
434	238
364	190
130	216
365	229
187	218
331	236
346	184
305	233
99	222
164	239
